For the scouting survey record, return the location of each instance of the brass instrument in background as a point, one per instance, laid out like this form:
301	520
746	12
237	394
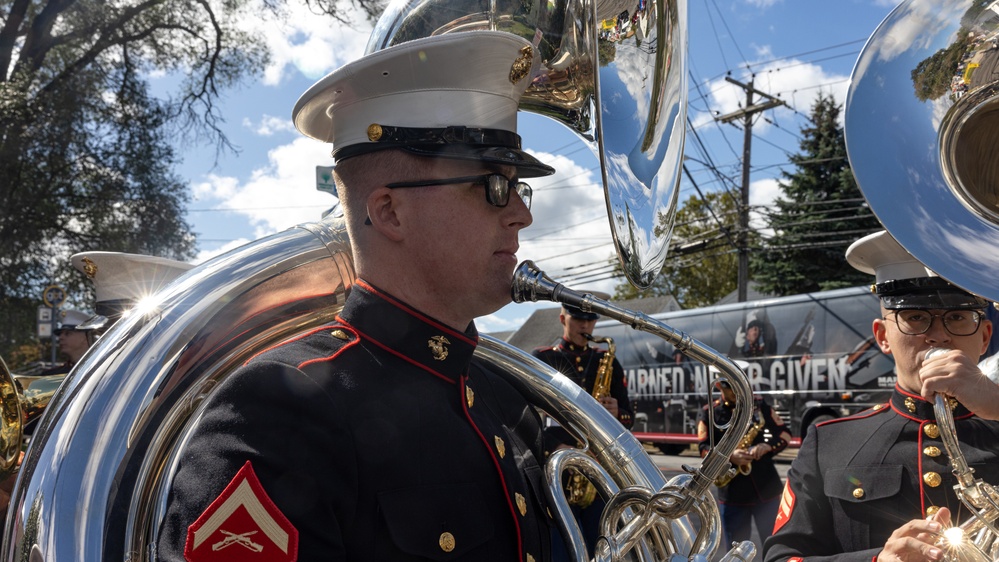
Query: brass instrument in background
745	443
639	516
581	492
23	399
924	151
605	369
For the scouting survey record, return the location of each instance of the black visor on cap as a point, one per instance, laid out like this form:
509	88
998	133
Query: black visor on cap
494	146
578	313
926	293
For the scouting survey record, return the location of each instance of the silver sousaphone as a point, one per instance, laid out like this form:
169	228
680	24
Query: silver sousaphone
922	134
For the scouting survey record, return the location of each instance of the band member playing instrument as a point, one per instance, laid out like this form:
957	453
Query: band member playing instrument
599	373
878	485
378	437
574	357
751	492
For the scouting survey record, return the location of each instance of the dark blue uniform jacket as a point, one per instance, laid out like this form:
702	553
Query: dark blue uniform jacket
859	478
375	438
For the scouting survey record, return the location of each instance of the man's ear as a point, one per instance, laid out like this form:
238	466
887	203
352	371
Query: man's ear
880	329
382	213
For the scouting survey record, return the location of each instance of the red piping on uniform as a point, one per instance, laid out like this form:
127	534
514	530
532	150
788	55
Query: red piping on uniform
918	397
286	342
857	416
417	314
506	491
401	356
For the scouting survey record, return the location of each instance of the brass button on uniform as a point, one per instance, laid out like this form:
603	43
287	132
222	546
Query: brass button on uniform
932	451
500	446
932	510
579	369
340	335
878	407
530	558
521	503
932	479
858	493
469	396
910	404
446	541
931	430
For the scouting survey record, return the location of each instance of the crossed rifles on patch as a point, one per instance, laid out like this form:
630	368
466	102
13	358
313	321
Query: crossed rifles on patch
241	539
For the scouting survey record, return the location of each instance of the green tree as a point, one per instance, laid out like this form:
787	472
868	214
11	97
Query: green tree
701	266
85	150
821	212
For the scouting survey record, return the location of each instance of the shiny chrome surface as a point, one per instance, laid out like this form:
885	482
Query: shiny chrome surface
658	519
612	71
924	150
91	482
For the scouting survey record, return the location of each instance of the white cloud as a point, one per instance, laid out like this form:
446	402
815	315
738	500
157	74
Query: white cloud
269	125
280	193
312	44
570	233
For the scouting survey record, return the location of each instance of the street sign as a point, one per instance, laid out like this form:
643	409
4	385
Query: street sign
46	321
324	179
54	296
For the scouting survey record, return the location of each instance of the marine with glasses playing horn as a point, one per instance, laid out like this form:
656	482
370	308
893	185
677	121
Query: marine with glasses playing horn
379	437
878	485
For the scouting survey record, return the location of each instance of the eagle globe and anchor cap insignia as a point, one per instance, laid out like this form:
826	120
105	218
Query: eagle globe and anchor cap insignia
437	347
242	524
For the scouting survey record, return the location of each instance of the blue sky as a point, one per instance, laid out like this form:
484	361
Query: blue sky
793	49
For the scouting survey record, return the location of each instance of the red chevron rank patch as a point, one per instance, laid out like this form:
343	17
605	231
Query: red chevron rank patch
242	524
786	507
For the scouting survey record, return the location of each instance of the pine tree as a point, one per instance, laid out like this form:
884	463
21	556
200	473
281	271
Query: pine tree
822	211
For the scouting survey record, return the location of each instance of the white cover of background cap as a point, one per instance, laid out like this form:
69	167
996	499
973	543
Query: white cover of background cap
455	79
880	255
128	276
70	318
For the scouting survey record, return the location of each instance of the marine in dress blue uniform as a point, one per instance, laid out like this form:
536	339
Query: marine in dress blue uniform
754	496
873	486
581	362
380	436
575	358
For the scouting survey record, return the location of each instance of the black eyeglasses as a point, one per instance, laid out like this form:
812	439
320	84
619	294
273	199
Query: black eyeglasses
498	187
914	321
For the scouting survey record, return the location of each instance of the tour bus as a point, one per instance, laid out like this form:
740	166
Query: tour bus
811	356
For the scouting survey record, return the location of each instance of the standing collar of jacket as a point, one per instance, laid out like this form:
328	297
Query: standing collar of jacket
401	330
914	407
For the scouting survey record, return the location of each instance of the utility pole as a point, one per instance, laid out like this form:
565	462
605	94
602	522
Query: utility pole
746	114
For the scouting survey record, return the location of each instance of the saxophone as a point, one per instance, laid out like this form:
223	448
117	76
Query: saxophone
602	383
580	491
746	442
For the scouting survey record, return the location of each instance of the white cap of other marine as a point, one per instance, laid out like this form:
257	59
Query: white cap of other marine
121	280
902	281
72	320
447	96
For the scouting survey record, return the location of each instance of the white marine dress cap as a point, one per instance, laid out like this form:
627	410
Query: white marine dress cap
448	96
